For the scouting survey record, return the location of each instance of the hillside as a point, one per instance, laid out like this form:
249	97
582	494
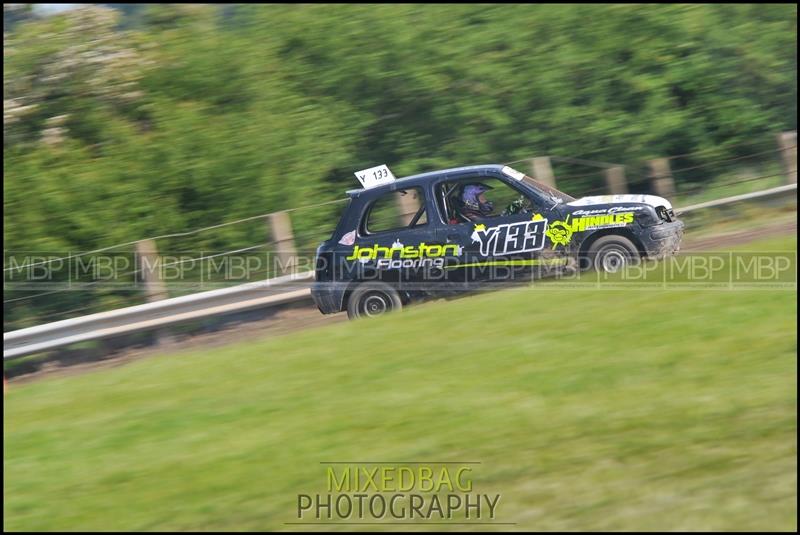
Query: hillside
587	408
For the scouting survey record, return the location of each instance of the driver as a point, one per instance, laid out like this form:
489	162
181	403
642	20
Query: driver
475	205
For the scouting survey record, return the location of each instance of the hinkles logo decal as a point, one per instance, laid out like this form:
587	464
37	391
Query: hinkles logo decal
560	232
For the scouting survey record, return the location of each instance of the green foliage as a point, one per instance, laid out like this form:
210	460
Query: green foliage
680	414
164	118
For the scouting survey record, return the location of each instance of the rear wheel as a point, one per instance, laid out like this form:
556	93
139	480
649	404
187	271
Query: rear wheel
373	299
612	253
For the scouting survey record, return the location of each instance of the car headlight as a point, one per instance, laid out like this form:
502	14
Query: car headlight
648	218
665	214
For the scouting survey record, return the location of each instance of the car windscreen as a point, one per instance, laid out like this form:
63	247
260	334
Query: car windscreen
547	190
544	189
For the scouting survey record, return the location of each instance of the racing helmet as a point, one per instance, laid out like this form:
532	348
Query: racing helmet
471	198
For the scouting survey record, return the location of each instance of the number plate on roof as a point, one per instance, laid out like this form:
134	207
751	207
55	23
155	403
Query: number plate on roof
374	176
513	173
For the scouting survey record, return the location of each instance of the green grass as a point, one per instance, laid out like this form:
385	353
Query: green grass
609	410
739	217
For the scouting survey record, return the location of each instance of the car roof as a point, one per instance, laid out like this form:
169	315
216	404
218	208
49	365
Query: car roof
422	177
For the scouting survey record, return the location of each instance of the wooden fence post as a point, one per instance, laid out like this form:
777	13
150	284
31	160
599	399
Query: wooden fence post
542	171
615	180
661	177
149	265
788	144
280	228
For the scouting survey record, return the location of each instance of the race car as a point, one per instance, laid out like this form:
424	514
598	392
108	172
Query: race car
455	236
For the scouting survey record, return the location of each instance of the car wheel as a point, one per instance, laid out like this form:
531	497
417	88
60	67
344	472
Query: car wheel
612	253
372	299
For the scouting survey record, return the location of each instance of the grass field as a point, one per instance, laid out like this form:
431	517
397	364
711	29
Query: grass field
607	410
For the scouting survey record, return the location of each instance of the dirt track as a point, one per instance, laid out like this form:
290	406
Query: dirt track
305	315
734	238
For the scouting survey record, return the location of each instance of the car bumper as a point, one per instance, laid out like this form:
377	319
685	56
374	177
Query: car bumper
329	296
663	240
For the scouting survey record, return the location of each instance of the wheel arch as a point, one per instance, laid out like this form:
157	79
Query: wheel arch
623	232
405	296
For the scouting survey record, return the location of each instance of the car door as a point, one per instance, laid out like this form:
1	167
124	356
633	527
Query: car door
397	243
506	244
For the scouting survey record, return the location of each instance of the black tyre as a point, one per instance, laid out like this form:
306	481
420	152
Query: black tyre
611	254
372	299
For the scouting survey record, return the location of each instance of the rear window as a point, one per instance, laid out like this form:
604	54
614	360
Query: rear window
396	210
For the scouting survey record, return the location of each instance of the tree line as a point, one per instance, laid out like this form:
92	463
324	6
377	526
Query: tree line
125	121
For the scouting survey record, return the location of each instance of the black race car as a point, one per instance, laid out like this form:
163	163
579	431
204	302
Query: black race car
471	226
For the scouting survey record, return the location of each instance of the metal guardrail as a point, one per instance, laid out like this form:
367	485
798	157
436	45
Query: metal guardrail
772	192
275	291
289	288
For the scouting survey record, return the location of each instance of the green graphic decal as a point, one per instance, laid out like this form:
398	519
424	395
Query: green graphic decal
579	224
423	250
560	232
400	256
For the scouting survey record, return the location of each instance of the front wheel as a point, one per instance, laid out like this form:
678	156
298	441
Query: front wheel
612	254
372	299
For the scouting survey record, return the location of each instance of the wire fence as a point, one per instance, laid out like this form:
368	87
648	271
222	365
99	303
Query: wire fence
312	224
639	178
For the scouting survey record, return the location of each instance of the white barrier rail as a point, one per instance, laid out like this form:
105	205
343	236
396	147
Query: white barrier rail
275	291
772	192
157	314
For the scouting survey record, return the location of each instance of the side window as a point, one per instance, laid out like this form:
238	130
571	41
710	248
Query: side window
396	210
501	199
